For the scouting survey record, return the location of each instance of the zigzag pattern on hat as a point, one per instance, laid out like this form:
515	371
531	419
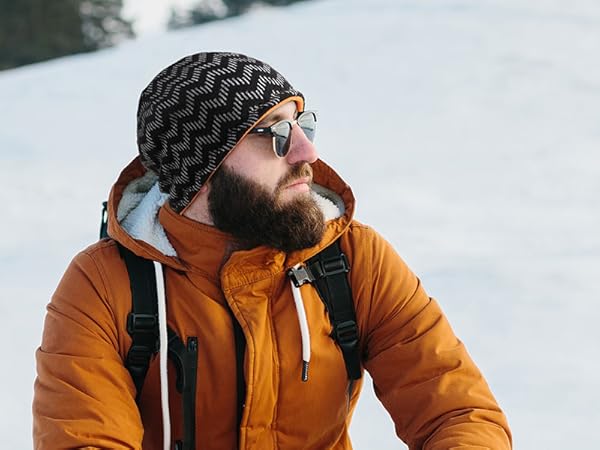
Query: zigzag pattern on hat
196	110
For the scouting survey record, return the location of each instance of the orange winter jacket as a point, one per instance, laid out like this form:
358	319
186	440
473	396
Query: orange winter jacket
85	397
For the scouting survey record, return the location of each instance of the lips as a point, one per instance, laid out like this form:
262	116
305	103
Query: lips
299	182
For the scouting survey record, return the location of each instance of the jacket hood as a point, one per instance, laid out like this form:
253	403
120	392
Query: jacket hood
135	204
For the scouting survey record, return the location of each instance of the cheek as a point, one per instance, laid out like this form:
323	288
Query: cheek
269	176
265	172
255	160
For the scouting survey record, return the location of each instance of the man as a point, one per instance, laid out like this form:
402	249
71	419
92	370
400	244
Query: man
229	198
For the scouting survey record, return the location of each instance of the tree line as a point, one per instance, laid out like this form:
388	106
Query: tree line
210	10
37	30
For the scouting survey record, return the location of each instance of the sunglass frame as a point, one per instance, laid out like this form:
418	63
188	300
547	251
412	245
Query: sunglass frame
282	131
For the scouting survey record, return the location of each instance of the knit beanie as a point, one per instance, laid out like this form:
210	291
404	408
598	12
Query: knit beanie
196	110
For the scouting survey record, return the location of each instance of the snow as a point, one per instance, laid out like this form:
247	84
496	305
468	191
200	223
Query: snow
469	130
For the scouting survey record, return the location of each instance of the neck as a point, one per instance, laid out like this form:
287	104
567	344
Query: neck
198	209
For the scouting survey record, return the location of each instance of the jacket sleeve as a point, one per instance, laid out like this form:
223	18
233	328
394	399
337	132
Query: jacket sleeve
83	394
422	373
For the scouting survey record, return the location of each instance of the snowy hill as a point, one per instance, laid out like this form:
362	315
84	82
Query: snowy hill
469	130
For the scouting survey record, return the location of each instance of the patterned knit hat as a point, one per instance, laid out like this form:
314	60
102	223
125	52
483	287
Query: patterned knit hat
195	111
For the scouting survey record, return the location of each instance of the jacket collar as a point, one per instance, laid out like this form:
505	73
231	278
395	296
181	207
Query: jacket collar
200	247
203	248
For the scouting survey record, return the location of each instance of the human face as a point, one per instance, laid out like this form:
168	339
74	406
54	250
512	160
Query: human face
253	157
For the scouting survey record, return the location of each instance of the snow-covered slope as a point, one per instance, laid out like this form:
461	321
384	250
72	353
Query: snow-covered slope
469	130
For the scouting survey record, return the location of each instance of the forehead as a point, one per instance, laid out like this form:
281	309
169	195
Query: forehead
286	111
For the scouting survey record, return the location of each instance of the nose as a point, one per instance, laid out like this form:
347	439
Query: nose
301	149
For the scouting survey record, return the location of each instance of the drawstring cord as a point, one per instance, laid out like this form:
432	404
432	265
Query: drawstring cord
304	331
162	325
164	346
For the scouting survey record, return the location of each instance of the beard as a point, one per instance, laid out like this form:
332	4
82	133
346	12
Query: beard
254	216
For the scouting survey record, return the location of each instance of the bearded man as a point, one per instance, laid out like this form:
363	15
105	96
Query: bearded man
229	201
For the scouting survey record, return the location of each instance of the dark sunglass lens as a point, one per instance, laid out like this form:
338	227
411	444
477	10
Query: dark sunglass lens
308	122
281	137
281	145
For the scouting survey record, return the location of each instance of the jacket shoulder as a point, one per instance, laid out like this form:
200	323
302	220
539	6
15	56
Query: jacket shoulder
382	283
364	243
80	359
96	287
103	258
101	250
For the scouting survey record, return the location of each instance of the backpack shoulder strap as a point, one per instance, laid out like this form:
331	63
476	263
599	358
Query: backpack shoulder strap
142	321
328	272
142	326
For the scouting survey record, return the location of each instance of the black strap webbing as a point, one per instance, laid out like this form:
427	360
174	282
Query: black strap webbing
185	359
142	321
104	221
142	325
329	269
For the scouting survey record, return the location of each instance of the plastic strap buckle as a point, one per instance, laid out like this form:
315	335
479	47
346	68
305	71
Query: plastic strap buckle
301	275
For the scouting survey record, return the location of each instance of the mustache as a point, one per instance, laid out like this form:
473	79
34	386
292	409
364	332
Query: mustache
298	171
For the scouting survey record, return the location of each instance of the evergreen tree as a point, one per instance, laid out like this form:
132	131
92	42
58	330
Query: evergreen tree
102	23
280	2
209	10
203	12
37	30
237	7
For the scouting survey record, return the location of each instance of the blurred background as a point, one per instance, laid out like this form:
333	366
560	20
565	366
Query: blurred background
468	130
37	30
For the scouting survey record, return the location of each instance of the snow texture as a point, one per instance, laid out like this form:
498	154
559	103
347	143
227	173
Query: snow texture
469	130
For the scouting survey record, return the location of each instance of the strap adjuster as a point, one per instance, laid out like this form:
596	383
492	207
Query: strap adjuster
138	356
141	323
331	266
346	334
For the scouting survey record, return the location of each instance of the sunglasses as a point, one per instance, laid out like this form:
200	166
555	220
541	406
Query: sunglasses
282	131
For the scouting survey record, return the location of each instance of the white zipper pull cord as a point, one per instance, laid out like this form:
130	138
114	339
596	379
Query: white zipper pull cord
164	350
304	330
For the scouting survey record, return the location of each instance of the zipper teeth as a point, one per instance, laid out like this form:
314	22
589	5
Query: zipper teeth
240	351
